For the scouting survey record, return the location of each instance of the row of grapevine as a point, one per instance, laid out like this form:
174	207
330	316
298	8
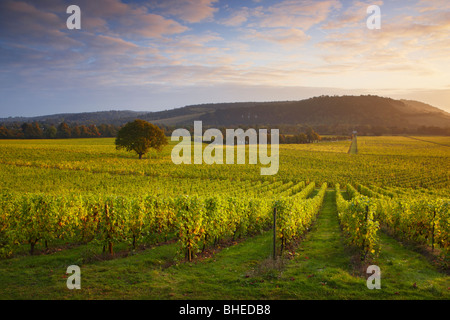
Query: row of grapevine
296	214
33	218
352	192
305	192
423	219
369	192
293	190
357	221
202	222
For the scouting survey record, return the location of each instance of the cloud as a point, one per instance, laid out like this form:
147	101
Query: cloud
111	17
354	15
127	20
191	11
407	43
21	22
299	14
435	5
148	25
284	22
237	17
37	46
282	36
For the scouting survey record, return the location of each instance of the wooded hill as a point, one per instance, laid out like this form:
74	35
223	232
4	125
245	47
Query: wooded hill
333	114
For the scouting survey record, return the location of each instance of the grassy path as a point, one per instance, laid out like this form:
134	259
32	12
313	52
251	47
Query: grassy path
354	146
407	274
322	268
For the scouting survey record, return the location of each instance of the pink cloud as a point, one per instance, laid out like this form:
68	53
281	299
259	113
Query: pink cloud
237	18
354	15
191	11
301	14
283	36
435	5
148	25
23	23
126	19
111	17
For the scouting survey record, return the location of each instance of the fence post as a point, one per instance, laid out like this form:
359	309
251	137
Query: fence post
274	233
432	232
364	239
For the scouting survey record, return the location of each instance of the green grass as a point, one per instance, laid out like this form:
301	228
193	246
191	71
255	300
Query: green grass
353	146
408	274
321	267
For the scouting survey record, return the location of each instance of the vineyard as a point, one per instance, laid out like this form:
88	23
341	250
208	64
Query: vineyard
151	229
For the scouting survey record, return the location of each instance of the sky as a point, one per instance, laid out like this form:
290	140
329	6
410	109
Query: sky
164	54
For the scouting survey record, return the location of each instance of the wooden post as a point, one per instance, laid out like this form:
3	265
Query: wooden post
274	233
364	239
432	231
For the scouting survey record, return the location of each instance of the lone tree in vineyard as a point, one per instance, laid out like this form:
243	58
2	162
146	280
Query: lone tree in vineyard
140	136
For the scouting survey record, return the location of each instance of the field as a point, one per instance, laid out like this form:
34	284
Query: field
149	229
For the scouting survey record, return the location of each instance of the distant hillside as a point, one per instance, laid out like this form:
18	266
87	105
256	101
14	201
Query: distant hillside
325	110
417	106
317	111
84	118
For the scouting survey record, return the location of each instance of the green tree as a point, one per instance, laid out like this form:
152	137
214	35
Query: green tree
94	130
50	132
4	133
312	135
76	132
31	131
85	132
302	138
64	131
140	136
